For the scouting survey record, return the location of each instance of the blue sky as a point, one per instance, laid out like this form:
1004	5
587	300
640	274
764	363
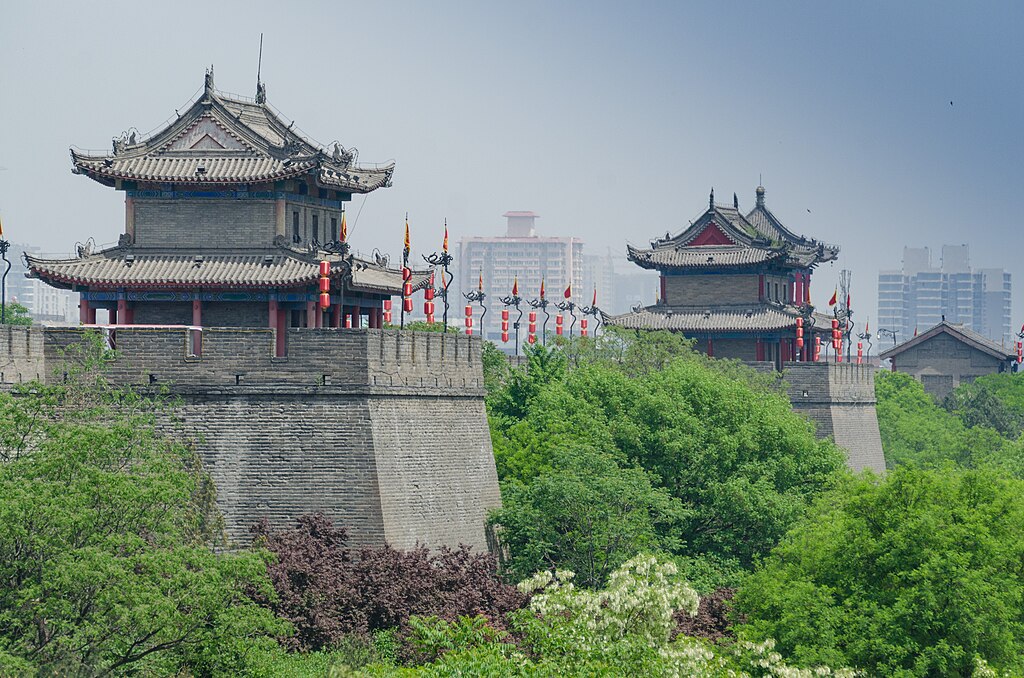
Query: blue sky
611	121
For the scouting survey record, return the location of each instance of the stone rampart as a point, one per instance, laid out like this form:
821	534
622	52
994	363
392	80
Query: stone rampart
840	399
385	431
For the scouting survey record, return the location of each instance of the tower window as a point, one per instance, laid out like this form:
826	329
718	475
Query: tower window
334	229
296	237
316	227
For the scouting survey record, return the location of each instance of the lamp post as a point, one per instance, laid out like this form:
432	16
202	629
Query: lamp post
478	295
542	304
514	300
4	246
570	307
882	332
444	260
866	336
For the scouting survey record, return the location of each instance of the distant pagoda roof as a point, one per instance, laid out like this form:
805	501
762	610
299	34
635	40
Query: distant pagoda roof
727	318
724	237
276	267
223	139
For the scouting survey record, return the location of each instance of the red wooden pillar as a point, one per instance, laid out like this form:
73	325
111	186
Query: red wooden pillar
197	312
86	314
760	288
371	317
310	314
336	315
357	316
711	348
282	328
759	350
664	293
272	314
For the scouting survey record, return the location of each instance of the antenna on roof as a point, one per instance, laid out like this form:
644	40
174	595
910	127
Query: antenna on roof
261	91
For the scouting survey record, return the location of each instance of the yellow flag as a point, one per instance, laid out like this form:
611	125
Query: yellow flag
407	241
344	228
1	229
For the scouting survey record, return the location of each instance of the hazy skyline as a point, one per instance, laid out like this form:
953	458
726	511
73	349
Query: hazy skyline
872	125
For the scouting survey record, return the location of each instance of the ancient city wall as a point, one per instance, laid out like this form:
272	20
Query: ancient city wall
840	399
385	431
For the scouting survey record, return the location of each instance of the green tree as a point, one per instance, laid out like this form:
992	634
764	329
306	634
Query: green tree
913	575
917	431
586	514
106	530
16	314
993	400
722	440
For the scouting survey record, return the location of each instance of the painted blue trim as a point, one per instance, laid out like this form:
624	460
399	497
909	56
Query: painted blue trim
152	194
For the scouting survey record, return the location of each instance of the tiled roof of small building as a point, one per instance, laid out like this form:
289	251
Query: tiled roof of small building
719	319
959	332
223	139
281	267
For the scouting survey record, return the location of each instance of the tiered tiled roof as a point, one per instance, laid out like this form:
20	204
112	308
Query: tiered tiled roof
724	237
223	139
718	319
280	267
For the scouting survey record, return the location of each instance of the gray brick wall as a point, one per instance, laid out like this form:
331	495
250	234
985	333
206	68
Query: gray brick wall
22	357
228	224
714	290
942	363
840	399
385	431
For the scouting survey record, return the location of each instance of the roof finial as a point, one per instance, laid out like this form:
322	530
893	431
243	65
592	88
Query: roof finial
711	199
208	84
261	89
760	196
735	201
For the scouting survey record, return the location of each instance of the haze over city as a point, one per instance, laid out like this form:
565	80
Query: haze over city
871	126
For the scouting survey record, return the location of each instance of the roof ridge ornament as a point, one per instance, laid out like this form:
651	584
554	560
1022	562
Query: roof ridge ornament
760	196
711	199
208	82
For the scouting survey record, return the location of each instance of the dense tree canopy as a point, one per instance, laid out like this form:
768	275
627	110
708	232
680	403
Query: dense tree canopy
717	438
16	314
913	575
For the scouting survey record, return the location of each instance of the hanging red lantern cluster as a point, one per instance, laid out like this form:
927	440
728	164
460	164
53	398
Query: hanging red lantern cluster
387	311
325	284
860	352
558	324
504	325
837	340
469	320
407	289
428	303
1020	352
817	348
532	337
583	327
800	335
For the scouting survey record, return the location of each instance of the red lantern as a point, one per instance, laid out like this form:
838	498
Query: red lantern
325	300
504	314
325	284
469	311
799	342
583	327
325	268
533	316
532	339
860	352
504	337
407	305
348	320
558	324
469	320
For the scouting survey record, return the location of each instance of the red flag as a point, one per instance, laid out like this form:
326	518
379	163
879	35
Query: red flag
594	302
444	245
542	289
847	302
915	330
867	330
568	292
1	229
480	284
407	241
835	297
515	286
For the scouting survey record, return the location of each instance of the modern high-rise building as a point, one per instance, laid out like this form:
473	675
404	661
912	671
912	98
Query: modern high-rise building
521	254
44	303
921	295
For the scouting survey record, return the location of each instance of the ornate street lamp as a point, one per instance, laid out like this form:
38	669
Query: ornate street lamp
514	300
595	312
444	260
478	296
882	332
569	306
866	336
542	304
4	246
